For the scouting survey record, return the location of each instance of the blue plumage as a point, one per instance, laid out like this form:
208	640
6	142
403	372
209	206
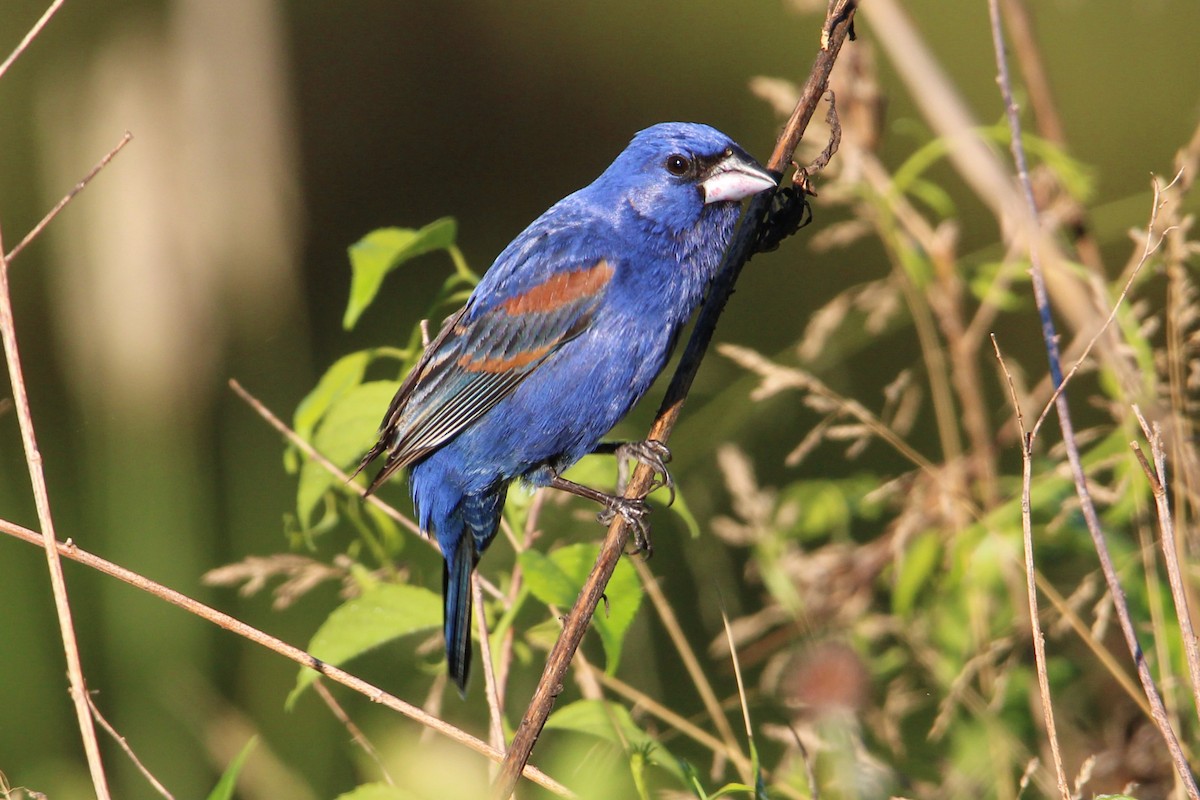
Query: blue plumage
565	332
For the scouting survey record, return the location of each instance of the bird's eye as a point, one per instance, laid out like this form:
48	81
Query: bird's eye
678	165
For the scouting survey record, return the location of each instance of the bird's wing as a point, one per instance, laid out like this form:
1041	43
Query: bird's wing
480	356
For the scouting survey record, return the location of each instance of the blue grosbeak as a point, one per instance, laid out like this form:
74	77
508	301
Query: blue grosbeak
564	333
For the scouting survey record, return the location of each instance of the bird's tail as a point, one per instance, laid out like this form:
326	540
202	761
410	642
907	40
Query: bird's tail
479	516
456	595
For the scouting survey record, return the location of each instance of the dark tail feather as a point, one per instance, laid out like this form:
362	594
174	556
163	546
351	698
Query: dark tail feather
456	594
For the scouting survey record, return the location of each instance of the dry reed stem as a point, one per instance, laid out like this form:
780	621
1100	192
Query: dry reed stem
1050	340
692	664
1035	623
1157	476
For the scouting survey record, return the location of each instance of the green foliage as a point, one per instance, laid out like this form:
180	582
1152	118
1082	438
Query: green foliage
381	251
556	579
612	723
225	787
382	613
915	574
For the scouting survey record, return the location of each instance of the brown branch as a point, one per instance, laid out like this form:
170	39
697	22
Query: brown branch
1035	623
124	745
310	451
69	550
41	498
29	37
1050	339
69	196
355	732
1157	476
838	24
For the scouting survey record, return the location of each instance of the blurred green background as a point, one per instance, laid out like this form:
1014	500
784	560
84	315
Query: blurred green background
268	136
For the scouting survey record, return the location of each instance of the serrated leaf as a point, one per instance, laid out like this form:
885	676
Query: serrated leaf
224	788
383	612
556	579
383	250
346	432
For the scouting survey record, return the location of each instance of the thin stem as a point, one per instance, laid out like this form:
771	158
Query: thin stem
29	37
692	665
124	745
1050	339
234	625
1035	624
69	196
495	715
1157	475
355	732
41	497
838	24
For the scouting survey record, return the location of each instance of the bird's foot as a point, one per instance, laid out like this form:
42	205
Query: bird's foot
634	511
653	454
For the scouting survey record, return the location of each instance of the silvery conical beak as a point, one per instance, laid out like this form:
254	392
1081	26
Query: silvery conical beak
735	177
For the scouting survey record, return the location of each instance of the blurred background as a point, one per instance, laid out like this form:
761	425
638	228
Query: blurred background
268	137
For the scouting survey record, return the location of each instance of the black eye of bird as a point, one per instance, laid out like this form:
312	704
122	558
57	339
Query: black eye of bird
678	165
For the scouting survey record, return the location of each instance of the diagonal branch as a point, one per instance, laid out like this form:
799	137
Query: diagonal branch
69	550
838	25
41	498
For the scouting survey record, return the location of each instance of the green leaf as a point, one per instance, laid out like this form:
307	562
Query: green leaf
346	373
345	433
381	251
556	579
383	612
224	788
377	791
913	573
612	723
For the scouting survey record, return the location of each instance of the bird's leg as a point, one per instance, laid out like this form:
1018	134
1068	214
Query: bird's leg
632	509
650	452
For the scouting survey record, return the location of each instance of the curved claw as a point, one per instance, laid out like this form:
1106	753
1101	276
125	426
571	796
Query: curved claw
653	454
634	512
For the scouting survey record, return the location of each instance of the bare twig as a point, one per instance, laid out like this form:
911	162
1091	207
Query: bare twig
69	196
355	732
234	625
692	664
120	740
1157	475
1148	249
1050	339
1035	623
495	714
838	25
29	37
41	497
310	451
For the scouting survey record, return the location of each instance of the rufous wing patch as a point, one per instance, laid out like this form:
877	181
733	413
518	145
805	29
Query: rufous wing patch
561	289
503	364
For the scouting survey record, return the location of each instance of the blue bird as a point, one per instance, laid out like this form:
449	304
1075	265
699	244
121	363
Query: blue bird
565	332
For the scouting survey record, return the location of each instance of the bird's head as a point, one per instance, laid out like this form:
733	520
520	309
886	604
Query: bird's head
672	173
